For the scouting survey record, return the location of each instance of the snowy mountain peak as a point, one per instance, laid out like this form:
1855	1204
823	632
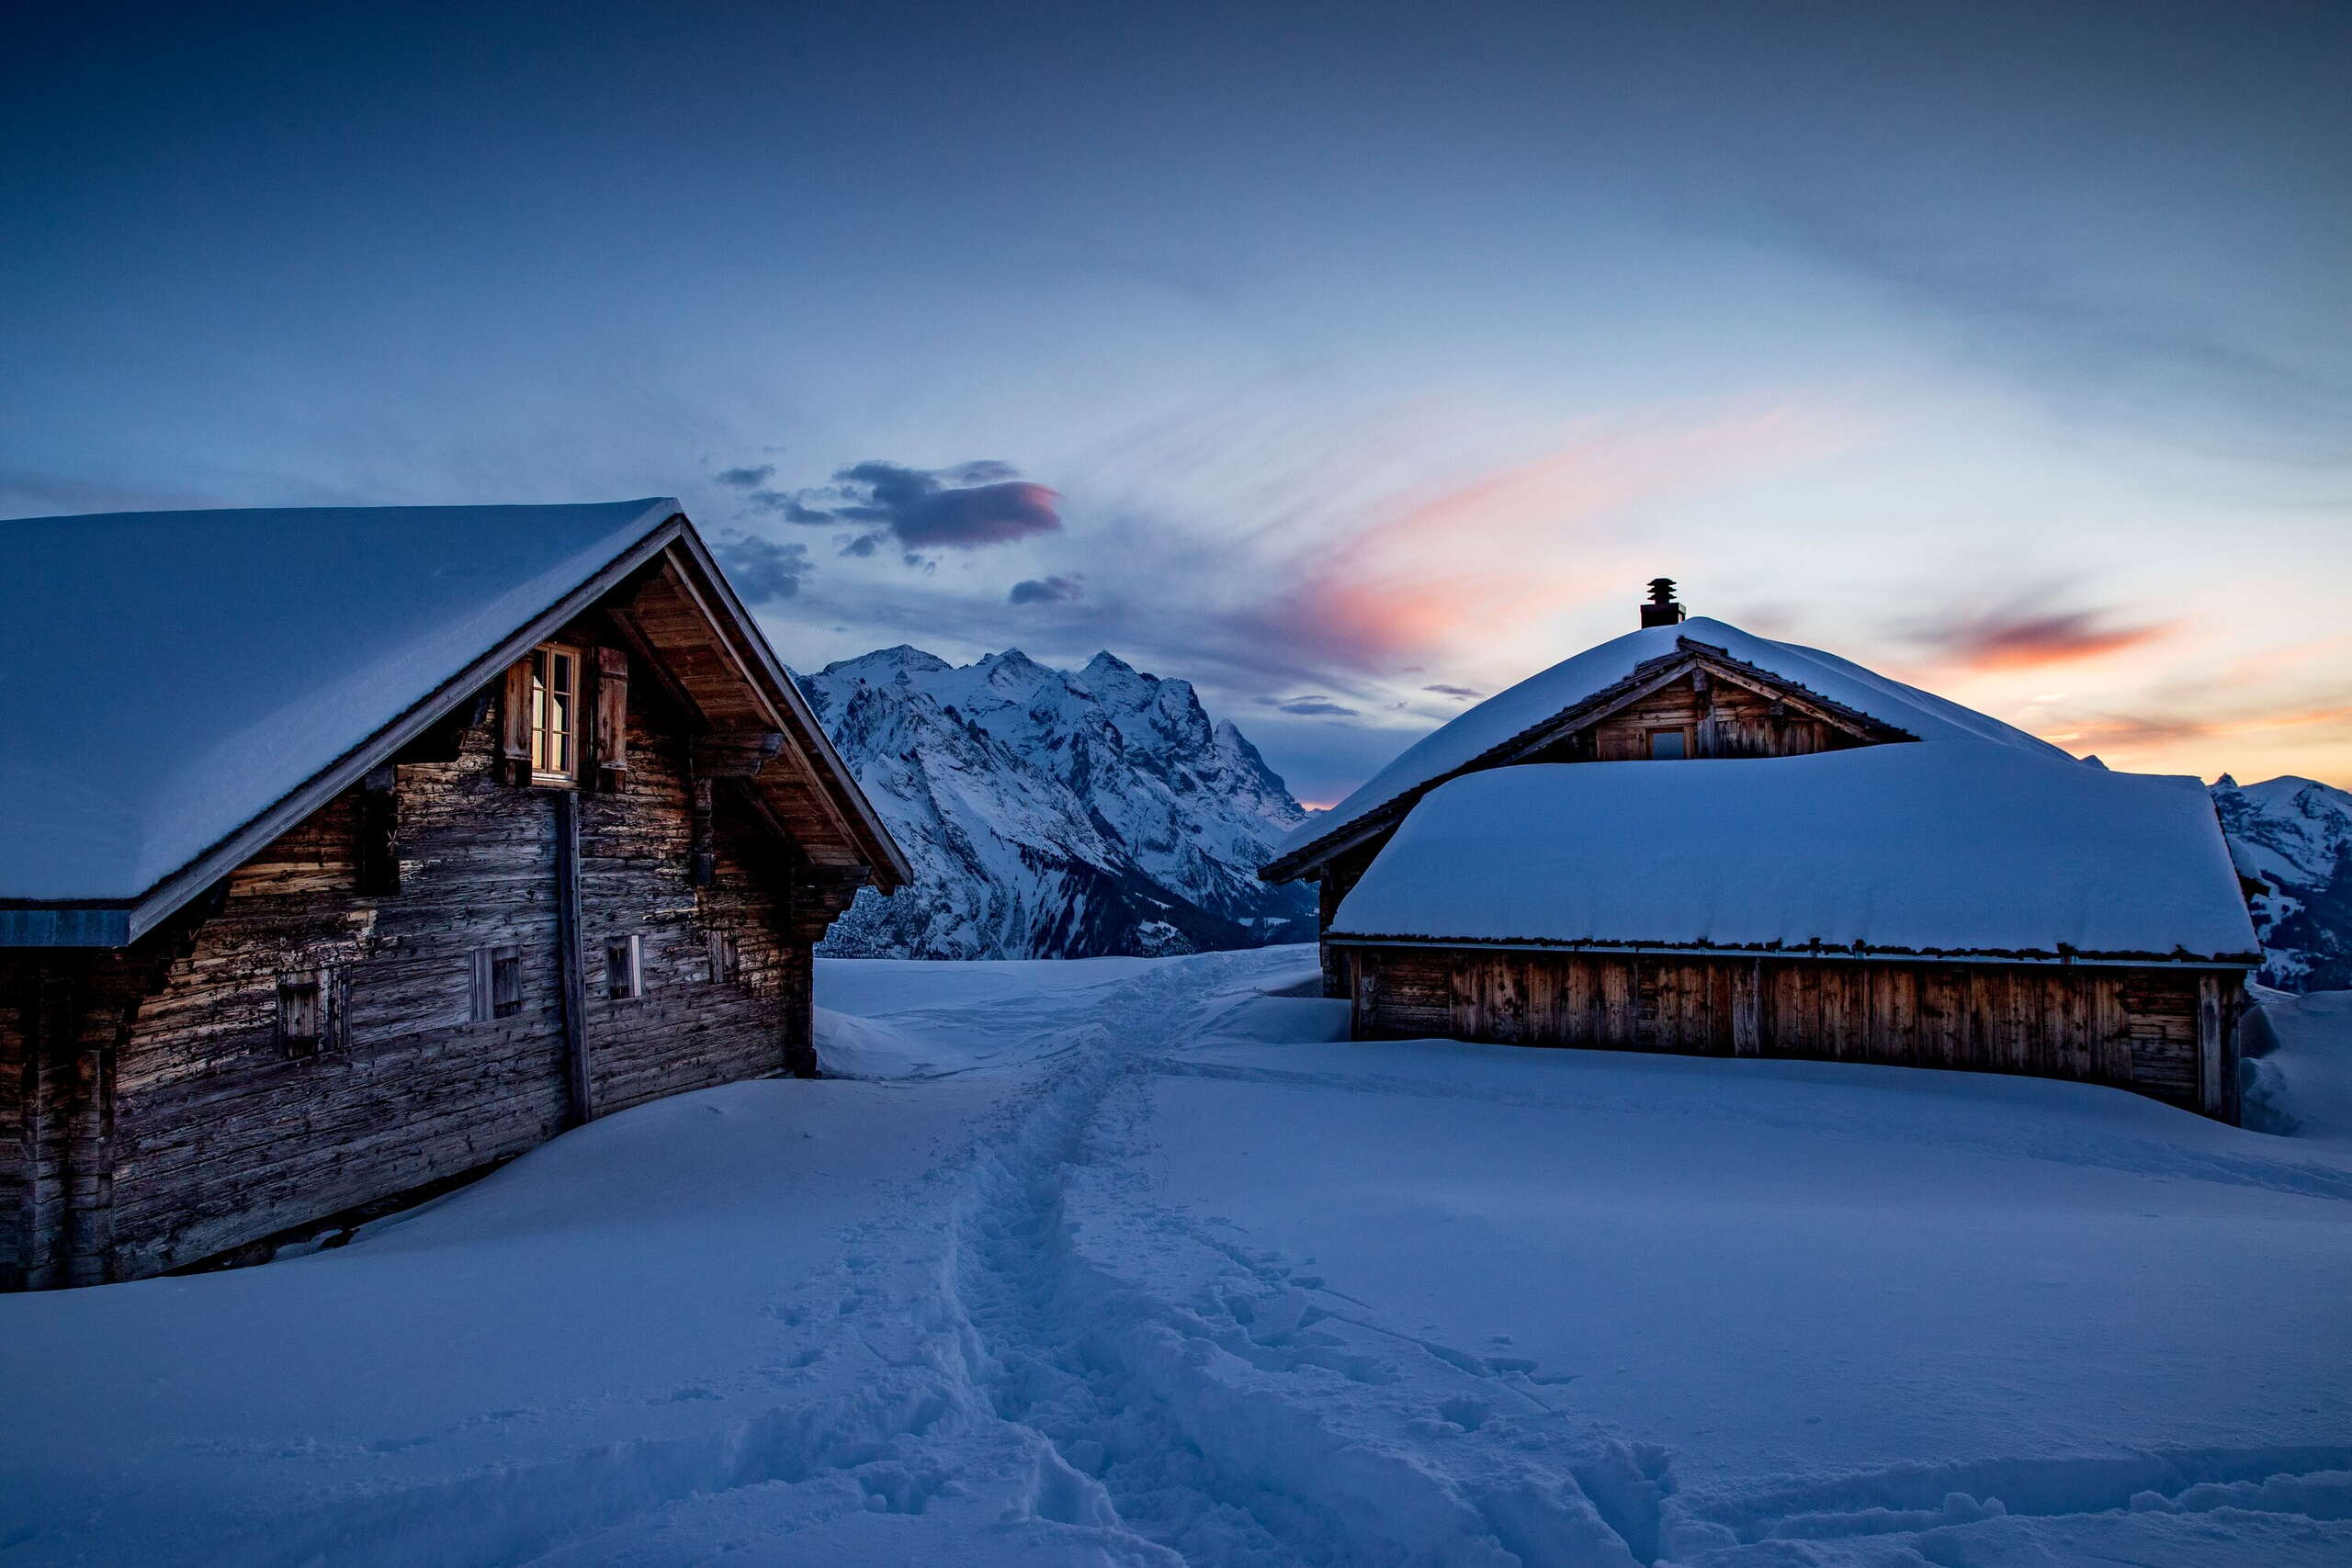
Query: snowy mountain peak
2294	835
901	663
1056	814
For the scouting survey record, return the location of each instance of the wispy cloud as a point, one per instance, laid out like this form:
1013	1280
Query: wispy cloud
1311	708
763	571
1046	591
2033	629
964	507
1445	691
1457	569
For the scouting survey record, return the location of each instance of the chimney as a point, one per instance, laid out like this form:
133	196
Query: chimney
1664	609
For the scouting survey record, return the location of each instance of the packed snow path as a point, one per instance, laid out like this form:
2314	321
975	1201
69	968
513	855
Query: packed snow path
1127	1262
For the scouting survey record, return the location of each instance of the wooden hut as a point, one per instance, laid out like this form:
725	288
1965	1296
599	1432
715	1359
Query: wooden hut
1836	865
350	852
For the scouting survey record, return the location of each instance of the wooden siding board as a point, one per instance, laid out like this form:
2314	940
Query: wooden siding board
2136	1029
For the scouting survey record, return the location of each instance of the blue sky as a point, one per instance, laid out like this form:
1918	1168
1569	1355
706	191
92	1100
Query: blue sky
1325	355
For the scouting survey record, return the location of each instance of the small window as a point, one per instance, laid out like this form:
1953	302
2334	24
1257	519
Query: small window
302	1014
555	713
498	983
726	959
624	966
1668	744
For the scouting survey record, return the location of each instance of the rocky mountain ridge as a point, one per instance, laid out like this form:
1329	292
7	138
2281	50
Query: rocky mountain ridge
1057	813
2294	837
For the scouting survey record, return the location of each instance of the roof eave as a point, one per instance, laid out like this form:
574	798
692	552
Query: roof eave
891	869
142	914
2055	957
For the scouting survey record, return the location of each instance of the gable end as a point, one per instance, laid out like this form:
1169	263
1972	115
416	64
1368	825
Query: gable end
1550	739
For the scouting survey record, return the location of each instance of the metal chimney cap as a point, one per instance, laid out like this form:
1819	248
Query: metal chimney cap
1662	609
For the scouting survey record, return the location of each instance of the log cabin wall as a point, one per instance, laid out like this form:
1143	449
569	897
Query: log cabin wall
222	1134
63	1017
2166	1033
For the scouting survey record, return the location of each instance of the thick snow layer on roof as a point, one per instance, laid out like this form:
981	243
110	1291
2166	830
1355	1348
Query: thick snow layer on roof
166	676
1975	849
1522	707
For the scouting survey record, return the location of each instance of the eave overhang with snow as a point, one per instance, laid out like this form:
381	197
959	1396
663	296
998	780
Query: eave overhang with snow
174	835
1535	713
1933	853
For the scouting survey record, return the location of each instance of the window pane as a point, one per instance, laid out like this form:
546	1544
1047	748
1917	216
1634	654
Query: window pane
1665	743
555	697
619	979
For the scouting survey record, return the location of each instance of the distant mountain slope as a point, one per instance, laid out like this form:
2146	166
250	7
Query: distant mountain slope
2296	836
1056	814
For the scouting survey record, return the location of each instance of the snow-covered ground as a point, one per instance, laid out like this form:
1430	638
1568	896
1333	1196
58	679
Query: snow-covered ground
1125	1261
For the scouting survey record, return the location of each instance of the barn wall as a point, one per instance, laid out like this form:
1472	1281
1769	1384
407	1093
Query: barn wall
16	1196
64	1015
2135	1028
221	1138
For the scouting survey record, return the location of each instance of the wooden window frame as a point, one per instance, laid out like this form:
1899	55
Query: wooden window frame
323	1007
726	956
630	948
487	1006
1649	742
546	737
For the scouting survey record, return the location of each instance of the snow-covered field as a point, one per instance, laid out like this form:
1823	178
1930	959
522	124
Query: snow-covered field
1125	1261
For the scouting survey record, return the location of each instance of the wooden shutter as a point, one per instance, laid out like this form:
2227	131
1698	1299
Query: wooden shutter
515	723
612	715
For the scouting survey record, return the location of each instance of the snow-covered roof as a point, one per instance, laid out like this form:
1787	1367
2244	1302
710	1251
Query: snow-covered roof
1939	848
1537	699
168	676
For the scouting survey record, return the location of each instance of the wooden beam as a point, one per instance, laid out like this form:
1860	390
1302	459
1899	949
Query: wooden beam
571	995
1705	742
2210	1052
735	756
377	855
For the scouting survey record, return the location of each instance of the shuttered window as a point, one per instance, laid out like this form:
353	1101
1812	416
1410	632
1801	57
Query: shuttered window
497	983
726	959
624	966
555	713
308	1013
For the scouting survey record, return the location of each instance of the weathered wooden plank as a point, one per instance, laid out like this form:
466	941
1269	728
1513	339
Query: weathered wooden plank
1617	999
2142	1030
2210	1051
572	990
